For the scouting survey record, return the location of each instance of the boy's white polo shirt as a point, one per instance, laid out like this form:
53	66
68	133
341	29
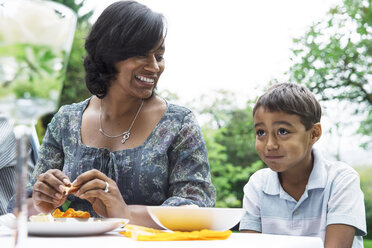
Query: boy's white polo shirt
332	196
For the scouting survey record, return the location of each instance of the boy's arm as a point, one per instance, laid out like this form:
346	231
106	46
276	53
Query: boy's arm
339	236
249	231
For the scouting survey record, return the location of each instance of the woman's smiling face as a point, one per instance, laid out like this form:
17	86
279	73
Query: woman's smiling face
282	141
139	75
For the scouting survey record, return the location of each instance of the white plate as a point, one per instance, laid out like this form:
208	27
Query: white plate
75	226
192	219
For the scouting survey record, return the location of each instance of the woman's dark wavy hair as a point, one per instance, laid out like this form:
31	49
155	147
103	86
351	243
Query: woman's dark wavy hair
291	98
124	29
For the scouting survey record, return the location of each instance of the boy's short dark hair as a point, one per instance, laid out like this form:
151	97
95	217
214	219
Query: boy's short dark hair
292	99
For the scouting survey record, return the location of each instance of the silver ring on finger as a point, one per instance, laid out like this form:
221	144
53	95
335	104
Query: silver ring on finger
106	190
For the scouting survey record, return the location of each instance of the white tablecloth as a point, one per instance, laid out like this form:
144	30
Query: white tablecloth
113	239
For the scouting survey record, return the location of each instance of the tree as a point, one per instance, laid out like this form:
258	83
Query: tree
230	140
228	178
334	57
366	129
216	107
238	138
74	89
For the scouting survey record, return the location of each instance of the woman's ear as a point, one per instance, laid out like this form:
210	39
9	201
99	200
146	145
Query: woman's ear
316	132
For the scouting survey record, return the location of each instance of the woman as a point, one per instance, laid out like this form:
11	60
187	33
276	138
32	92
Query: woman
125	147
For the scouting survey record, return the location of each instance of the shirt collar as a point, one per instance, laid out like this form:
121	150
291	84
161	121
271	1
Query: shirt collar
318	176
317	179
273	185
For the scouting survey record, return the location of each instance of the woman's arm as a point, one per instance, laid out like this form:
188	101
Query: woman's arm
189	171
140	216
48	180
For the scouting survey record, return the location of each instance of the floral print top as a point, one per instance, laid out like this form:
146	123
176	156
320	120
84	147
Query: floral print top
170	168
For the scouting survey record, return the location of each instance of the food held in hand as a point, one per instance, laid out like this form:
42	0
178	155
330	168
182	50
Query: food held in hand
70	213
70	189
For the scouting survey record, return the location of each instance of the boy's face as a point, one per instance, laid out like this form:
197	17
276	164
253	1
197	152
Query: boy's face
282	141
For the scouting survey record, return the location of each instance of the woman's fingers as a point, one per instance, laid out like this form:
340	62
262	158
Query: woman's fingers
48	190
89	176
103	193
61	176
94	184
55	179
92	194
43	188
41	197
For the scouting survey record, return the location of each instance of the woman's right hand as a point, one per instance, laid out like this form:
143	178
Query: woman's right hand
48	191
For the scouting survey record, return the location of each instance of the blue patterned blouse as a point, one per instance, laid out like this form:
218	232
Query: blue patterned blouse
170	168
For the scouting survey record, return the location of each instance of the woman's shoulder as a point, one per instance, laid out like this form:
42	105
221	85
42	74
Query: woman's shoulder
177	112
178	109
69	116
73	109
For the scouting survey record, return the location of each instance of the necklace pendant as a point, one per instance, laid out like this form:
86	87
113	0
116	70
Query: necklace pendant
125	137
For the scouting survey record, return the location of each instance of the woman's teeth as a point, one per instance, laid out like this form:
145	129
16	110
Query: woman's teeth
145	79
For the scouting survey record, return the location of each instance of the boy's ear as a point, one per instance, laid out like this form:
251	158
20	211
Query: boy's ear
316	132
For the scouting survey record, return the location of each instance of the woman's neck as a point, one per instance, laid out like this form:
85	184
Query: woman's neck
115	105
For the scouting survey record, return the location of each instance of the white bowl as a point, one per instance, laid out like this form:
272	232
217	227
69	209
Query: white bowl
194	219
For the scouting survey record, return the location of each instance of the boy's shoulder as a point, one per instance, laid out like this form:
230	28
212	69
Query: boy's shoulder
262	174
329	174
262	178
334	169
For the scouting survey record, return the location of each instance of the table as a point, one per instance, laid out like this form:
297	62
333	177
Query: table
113	240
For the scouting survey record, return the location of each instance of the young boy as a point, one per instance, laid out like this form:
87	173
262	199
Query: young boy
300	193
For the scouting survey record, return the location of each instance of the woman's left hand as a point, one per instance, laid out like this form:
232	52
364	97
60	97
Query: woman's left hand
103	193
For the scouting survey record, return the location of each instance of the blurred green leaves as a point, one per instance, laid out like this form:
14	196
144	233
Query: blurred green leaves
334	58
230	139
74	89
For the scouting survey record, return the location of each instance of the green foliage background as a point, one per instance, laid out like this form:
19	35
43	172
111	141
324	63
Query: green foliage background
74	89
230	141
334	59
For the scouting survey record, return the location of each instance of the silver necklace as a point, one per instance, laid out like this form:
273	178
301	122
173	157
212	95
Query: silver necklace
125	134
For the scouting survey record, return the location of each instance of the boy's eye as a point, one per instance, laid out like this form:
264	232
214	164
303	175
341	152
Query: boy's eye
282	131
260	132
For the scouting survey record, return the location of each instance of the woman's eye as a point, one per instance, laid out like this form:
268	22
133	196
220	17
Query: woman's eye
260	133
282	131
159	58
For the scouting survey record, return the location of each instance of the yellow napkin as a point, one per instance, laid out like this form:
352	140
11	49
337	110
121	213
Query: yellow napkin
141	233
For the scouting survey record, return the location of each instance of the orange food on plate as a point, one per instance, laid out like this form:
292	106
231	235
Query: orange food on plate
70	213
